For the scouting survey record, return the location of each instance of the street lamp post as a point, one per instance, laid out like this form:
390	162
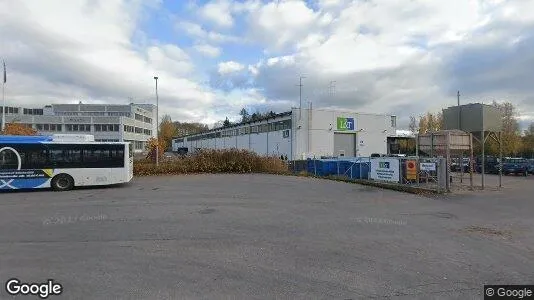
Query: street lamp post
157	122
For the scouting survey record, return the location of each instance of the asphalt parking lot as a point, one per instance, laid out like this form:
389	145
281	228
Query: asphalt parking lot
265	237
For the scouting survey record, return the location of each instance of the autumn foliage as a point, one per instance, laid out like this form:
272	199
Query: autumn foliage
213	161
18	129
151	146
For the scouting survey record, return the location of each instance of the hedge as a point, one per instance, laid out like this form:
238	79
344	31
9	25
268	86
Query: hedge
213	161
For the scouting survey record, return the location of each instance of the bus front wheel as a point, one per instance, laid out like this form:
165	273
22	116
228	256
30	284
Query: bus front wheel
62	182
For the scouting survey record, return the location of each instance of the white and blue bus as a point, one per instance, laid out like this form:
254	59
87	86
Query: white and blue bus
62	162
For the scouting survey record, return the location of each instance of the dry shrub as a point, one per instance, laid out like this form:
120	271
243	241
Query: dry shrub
18	129
214	161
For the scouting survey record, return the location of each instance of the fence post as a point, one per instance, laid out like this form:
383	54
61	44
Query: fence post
369	171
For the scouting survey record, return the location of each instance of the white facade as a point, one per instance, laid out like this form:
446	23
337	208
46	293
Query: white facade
266	137
107	122
301	134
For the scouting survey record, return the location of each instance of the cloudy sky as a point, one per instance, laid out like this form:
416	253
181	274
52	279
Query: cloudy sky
403	57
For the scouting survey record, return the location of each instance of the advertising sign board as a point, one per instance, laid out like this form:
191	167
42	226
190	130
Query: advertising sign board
386	169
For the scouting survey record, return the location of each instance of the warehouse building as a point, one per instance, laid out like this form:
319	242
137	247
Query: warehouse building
134	123
300	134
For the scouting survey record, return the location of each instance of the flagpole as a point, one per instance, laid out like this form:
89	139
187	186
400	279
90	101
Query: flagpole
3	106
4	98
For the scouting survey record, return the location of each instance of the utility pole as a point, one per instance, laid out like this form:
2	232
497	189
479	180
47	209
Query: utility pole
157	122
300	96
459	113
4	98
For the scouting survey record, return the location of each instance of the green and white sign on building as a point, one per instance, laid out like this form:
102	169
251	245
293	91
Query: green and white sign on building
344	124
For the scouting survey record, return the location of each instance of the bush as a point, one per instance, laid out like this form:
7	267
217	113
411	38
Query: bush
213	161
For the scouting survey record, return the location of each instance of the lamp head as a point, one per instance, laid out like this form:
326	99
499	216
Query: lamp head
156	77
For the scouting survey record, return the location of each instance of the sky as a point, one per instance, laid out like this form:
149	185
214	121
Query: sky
401	57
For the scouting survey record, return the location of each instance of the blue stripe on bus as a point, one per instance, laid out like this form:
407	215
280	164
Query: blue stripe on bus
24	139
13	184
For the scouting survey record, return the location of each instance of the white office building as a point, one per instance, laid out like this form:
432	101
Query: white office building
134	123
300	134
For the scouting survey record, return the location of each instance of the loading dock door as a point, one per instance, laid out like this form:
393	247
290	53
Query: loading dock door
344	144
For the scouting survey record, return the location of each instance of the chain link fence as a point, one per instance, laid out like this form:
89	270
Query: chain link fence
425	172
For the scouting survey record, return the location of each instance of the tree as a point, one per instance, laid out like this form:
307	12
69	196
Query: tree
151	145
226	122
530	130
18	129
185	128
244	115
255	117
270	114
429	122
167	130
413	125
528	142
511	139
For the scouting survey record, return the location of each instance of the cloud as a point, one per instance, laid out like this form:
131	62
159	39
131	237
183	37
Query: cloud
198	32
403	57
218	12
229	67
208	50
278	24
70	51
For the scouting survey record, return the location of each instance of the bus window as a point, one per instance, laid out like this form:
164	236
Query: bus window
65	156
8	160
33	157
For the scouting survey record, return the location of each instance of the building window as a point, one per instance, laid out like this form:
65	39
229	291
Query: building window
138	130
286	133
78	127
393	121
107	127
95	114
68	113
139	145
10	110
48	127
119	114
139	117
147	120
147	131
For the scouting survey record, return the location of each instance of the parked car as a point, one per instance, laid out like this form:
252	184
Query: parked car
455	165
516	166
491	165
530	166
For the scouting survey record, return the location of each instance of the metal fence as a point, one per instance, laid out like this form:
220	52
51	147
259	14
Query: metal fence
429	173
351	168
425	172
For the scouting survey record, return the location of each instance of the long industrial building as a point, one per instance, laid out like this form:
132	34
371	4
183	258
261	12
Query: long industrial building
134	123
300	134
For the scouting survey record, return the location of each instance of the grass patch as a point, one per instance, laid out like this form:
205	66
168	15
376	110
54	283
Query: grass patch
213	161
